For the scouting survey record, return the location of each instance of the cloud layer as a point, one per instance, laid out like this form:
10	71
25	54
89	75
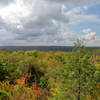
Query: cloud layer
44	22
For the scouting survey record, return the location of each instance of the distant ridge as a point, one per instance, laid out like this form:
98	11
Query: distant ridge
41	48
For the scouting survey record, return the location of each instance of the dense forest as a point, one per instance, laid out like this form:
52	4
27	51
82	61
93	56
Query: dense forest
50	75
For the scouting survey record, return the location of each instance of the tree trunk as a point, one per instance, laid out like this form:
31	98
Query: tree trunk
79	91
79	85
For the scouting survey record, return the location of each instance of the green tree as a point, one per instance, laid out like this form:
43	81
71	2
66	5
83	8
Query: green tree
78	76
3	72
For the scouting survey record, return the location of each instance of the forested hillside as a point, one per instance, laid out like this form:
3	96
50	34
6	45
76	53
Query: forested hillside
50	75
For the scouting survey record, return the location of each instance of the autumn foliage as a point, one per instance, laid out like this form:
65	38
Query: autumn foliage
45	75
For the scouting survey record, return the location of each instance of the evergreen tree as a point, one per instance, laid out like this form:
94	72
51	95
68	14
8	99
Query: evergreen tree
78	76
3	72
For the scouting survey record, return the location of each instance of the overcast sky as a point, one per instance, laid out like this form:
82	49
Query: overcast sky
49	22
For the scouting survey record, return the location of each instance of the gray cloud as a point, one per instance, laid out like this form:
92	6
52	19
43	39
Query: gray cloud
77	2
6	2
41	21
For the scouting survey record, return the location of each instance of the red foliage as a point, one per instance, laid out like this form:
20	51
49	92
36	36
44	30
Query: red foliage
35	86
36	89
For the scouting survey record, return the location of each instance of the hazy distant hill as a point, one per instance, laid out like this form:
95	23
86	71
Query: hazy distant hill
41	48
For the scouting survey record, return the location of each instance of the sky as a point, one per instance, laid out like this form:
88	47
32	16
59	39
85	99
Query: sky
49	22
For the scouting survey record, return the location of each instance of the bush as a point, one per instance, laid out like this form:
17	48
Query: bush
4	95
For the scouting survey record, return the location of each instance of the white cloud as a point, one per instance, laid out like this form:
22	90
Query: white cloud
20	27
76	16
14	12
90	35
95	42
